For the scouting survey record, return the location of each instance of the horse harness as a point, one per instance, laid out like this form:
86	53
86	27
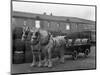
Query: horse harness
46	43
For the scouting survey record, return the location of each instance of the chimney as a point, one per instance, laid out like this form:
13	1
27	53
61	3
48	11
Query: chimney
51	14
44	13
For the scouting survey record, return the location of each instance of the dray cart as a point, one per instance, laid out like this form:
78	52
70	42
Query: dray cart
76	46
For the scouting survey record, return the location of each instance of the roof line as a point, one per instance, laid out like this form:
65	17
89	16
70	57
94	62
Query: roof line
52	20
64	19
52	15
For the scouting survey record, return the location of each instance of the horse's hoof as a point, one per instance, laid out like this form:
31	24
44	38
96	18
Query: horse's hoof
62	61
39	65
45	65
50	65
32	65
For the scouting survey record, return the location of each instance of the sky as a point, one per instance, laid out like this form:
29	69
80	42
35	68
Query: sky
85	12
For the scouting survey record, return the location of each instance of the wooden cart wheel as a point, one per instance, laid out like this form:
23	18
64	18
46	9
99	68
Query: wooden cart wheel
75	55
86	52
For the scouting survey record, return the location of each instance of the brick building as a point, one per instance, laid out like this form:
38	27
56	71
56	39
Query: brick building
52	23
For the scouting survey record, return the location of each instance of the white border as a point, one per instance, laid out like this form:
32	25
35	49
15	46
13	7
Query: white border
5	37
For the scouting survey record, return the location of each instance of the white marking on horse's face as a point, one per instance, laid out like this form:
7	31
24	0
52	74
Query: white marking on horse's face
23	36
34	36
24	32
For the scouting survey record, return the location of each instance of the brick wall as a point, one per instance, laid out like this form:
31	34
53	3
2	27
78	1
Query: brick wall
19	22
52	25
30	22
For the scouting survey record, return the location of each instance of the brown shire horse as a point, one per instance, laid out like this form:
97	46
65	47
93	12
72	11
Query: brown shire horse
47	44
39	42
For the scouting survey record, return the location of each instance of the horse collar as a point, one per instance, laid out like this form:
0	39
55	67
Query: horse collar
35	43
47	41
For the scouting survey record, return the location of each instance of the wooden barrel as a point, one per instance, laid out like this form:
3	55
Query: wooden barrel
18	51
18	57
19	45
17	33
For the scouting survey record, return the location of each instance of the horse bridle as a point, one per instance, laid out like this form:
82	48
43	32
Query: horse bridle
25	34
37	39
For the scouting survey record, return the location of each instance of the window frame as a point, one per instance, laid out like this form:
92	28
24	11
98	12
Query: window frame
67	26
37	22
25	23
58	25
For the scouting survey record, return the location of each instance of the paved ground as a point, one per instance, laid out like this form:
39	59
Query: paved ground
80	63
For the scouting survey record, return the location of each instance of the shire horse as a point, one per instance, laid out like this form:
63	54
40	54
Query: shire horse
43	41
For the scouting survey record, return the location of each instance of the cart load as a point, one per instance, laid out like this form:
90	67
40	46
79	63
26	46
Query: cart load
76	45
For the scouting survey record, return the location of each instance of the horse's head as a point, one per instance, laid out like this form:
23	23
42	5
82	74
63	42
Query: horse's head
35	36
41	36
25	34
66	38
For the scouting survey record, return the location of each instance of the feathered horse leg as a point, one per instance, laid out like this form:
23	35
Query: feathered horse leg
45	58
46	61
49	58
33	62
62	55
40	62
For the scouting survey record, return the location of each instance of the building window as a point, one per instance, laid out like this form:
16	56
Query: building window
25	23
67	26
37	24
48	24
76	25
57	24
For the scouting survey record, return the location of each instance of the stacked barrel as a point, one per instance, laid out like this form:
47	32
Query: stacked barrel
18	46
21	51
18	51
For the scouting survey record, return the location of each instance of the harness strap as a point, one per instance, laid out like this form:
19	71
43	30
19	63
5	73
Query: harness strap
54	42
